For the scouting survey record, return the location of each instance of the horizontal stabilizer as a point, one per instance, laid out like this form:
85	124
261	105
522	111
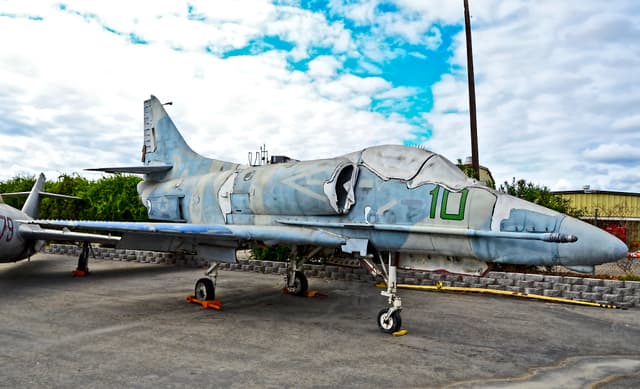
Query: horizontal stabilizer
134	169
42	194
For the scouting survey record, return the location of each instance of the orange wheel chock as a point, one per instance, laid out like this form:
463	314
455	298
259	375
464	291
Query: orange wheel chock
308	293
213	304
314	293
79	273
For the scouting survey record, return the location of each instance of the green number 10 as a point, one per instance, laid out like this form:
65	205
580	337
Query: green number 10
443	207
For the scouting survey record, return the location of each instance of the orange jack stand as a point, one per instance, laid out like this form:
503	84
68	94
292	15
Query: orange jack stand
80	273
308	293
213	304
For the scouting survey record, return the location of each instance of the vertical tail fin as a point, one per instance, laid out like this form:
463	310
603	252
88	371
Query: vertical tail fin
31	207
165	146
165	153
162	140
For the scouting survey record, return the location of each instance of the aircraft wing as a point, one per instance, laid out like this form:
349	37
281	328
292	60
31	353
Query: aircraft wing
35	232
287	234
221	239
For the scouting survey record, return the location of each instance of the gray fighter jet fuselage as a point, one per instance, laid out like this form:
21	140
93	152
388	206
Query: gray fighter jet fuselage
394	198
411	204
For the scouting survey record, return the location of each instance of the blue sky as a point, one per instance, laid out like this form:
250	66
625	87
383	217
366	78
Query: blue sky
557	85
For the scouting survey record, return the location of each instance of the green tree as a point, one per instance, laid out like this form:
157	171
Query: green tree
112	198
540	195
17	184
70	185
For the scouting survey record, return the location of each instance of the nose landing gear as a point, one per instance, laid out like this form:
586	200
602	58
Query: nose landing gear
388	319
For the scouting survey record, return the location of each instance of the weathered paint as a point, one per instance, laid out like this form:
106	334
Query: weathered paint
394	198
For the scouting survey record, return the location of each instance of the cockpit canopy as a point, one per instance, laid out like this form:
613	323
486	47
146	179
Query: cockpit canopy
412	164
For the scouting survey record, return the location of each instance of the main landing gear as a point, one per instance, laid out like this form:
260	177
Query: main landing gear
83	261
296	282
205	289
389	320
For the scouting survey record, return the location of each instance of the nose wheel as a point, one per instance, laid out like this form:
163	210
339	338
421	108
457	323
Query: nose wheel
389	322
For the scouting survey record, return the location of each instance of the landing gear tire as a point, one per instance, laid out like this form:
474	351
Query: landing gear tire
205	290
389	324
300	284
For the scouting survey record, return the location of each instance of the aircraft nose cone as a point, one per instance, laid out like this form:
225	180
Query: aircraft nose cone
594	245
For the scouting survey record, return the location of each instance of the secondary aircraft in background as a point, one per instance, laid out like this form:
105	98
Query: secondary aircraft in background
391	206
20	239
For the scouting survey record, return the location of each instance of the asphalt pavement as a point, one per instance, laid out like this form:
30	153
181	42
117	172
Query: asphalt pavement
128	325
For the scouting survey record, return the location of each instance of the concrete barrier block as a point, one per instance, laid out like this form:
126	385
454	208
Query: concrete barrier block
470	280
538	291
612	297
581	288
613	283
514	289
534	277
591	296
572	295
504	282
514	276
624	291
632	285
602	289
486	281
572	280
524	284
592	282
543	284
552	292
561	287
495	274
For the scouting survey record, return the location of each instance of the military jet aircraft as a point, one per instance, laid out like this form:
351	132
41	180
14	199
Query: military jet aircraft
391	206
19	239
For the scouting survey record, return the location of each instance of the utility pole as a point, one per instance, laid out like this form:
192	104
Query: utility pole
475	164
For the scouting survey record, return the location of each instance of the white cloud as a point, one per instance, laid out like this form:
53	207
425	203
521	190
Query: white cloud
324	66
75	89
612	152
627	122
557	85
551	80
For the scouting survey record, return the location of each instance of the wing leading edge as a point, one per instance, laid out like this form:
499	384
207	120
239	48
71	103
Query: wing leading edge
205	232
